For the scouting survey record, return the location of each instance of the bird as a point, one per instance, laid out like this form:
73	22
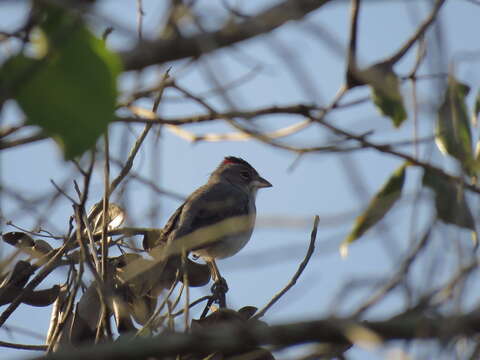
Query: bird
220	214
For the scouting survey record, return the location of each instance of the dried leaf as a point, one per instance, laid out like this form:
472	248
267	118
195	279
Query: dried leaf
18	239
122	315
115	218
247	311
151	238
23	241
14	284
42	246
142	308
41	298
57	313
19	275
88	309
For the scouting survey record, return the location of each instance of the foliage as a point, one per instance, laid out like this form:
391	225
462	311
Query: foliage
378	207
130	293
71	91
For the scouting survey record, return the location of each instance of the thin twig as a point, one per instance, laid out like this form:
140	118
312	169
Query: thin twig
67	310
131	157
105	221
148	324
352	45
388	150
352	65
419	33
10	130
133	152
186	307
422	50
398	277
196	302
87	178
301	268
23	346
22	141
140	15
91	241
150	183
61	191
44	272
149	117
99	284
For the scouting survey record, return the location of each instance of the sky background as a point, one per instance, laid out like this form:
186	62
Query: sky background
335	186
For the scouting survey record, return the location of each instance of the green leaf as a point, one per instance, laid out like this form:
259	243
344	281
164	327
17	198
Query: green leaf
476	109
476	163
452	133
450	202
71	93
378	207
386	93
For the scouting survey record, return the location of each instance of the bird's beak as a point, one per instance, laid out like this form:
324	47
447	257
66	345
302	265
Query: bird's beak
260	182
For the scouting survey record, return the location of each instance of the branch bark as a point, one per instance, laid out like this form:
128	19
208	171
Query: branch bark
236	338
149	53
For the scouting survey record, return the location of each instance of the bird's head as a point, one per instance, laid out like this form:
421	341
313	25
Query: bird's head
240	173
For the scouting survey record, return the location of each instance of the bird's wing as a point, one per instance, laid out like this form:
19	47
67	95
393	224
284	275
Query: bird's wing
173	221
157	238
208	206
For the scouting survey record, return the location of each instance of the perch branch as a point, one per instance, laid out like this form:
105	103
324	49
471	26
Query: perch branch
231	338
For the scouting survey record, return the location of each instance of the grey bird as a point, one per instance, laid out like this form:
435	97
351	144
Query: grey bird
220	214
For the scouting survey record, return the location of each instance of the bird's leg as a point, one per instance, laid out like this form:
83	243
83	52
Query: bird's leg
217	278
220	287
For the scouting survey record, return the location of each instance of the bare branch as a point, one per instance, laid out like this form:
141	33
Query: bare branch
23	346
160	51
392	60
352	66
398	277
388	150
133	152
22	141
293	280
46	269
230	338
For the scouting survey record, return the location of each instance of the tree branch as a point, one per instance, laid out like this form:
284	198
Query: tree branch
352	66
231	338
23	346
160	51
392	60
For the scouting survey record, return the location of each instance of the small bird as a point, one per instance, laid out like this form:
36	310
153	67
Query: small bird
222	213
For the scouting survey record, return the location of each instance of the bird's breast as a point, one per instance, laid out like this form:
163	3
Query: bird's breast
229	245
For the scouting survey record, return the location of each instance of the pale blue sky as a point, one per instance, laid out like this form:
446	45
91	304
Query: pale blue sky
318	184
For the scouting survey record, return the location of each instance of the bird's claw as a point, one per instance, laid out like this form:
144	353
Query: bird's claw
219	286
219	289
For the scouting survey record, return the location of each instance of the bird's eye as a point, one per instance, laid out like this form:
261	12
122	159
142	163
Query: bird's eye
245	174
